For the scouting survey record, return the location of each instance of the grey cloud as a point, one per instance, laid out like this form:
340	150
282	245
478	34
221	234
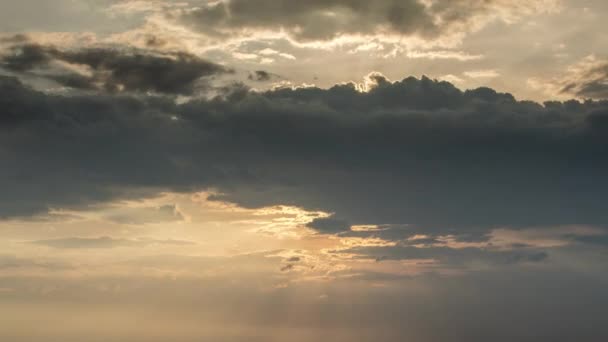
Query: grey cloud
105	242
416	152
261	76
526	306
26	57
328	19
114	69
448	256
155	42
287	268
145	215
61	16
586	79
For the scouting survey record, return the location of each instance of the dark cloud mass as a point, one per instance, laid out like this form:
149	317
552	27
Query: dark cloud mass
113	69
261	76
145	215
328	19
448	256
417	152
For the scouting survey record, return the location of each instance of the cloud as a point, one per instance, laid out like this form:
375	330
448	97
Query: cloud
416	152
586	79
144	215
525	304
599	240
444	54
329	225
113	69
482	73
447	256
11	262
261	76
105	242
287	268
58	16
272	52
306	21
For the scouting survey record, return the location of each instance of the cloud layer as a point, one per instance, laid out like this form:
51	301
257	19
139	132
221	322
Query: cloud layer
587	79
329	19
104	242
113	69
416	151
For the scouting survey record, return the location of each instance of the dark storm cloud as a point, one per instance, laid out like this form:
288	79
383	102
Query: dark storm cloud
416	152
114	69
328	19
105	242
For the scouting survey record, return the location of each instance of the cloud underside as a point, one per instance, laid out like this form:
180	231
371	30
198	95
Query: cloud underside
104	242
112	69
586	79
417	152
306	21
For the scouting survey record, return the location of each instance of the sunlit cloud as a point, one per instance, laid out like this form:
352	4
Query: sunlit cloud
482	73
443	54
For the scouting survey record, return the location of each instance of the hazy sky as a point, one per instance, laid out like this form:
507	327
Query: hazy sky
314	170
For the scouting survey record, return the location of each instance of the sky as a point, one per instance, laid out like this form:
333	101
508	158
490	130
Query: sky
293	171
